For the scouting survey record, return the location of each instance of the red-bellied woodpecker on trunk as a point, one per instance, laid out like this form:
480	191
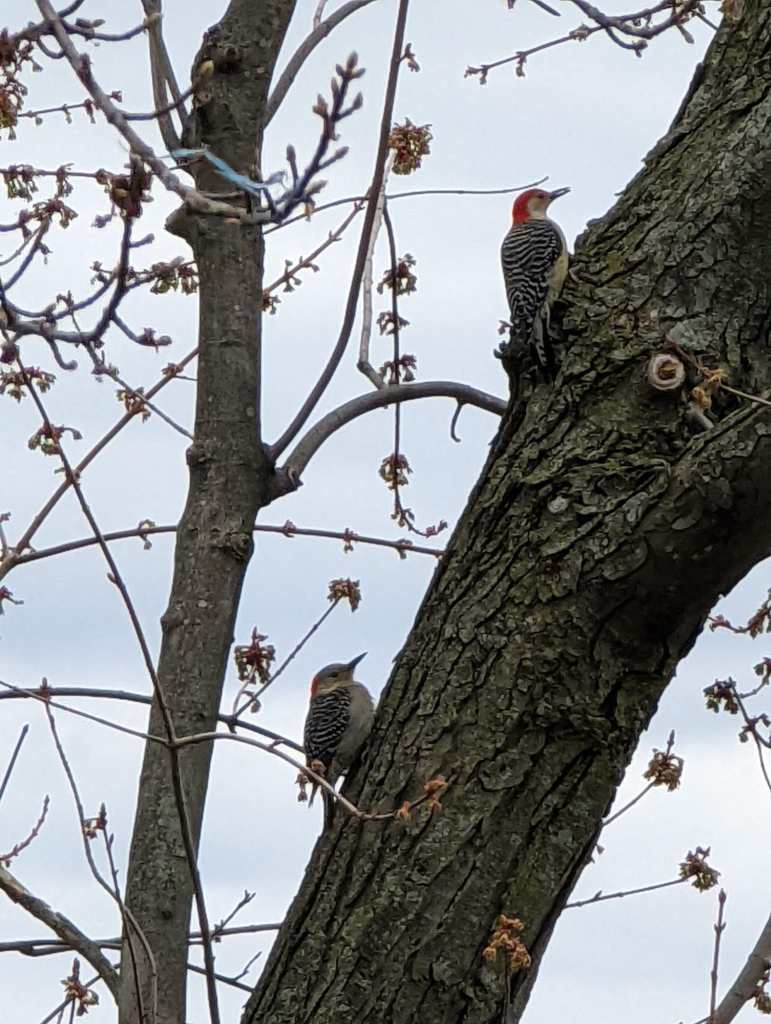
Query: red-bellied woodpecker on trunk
534	256
339	720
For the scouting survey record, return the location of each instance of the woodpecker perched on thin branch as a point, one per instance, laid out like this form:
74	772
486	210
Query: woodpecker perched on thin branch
534	256
339	720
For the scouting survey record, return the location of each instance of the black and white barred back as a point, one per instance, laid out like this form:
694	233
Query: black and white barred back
529	253
329	714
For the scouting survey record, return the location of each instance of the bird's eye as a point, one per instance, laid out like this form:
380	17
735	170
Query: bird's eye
333	675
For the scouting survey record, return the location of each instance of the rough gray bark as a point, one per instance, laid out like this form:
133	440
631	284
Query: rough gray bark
601	533
229	481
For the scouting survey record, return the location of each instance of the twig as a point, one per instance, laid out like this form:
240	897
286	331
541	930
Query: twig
599	897
130	925
33	835
306	262
16	692
319	13
639	26
12	762
162	75
353	294
719	929
714	375
249	962
274	676
304	50
364	364
310	443
631	803
348	537
219	928
431	788
750	725
746	984
40	518
78	804
63	1005
221	978
51	947
62	927
406	195
402	515
132	394
44	698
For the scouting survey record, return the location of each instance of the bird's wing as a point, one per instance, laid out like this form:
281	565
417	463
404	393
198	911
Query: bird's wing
528	253
325	724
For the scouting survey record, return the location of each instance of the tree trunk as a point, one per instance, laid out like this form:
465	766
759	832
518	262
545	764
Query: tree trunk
229	482
601	533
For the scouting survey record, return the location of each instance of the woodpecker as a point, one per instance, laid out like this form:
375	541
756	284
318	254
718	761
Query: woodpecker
534	256
339	720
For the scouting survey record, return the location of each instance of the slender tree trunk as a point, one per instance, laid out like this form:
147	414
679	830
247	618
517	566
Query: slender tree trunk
601	533
229	482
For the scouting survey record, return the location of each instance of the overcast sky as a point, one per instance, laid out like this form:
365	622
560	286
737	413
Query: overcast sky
584	115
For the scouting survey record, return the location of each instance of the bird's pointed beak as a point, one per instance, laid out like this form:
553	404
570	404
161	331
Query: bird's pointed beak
352	664
557	193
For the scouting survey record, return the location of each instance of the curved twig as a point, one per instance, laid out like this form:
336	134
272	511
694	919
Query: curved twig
308	445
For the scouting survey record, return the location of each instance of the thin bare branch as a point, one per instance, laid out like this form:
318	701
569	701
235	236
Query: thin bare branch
132	930
233	982
62	927
304	50
640	26
307	262
45	698
78	804
631	803
51	947
238	711
599	897
348	537
310	443
163	78
318	14
746	984
12	762
32	835
218	929
8	563
364	364
349	316
719	929
16	692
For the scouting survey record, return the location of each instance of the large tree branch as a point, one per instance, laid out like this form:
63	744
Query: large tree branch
289	474
71	936
600	535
